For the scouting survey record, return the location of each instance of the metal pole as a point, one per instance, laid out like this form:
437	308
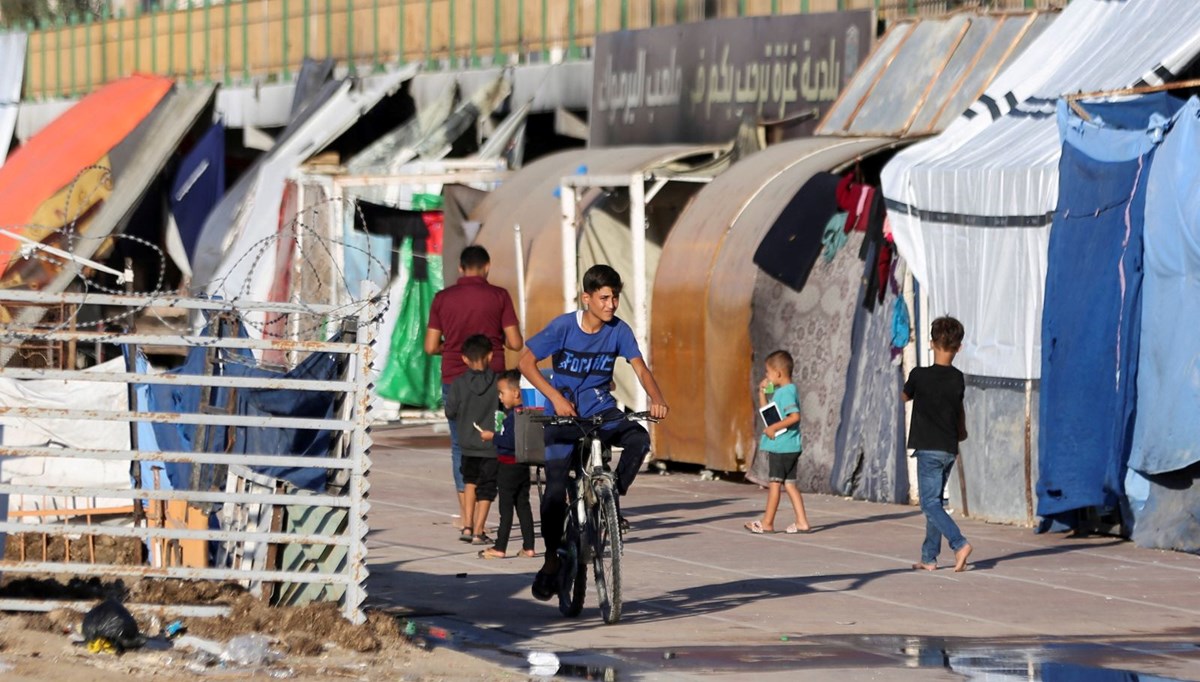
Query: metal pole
637	236
353	68
566	196
520	262
306	39
474	57
225	68
496	34
360	447
284	41
572	52
153	41
375	64
429	33
87	51
187	42
545	32
450	43
402	20
624	14
72	22
246	40
171	43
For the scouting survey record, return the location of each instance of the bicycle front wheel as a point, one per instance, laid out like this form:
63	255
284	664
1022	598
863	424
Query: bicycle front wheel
606	554
572	570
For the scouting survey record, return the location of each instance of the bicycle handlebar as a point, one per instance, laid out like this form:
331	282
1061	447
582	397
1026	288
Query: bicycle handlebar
594	420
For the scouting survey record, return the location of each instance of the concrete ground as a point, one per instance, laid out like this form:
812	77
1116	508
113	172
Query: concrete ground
705	599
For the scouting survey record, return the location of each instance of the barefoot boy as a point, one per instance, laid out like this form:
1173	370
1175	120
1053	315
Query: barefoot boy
781	442
939	423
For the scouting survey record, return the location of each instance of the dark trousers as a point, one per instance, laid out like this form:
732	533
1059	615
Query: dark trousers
513	480
630	436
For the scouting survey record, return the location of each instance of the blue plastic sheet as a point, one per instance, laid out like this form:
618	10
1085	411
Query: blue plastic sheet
1167	435
198	186
251	402
1092	306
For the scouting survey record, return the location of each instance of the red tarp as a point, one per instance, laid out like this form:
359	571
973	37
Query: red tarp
79	138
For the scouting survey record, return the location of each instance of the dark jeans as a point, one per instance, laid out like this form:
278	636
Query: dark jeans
455	451
933	470
513	480
630	436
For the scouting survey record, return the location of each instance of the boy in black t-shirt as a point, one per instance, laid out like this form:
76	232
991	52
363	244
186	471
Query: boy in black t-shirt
938	424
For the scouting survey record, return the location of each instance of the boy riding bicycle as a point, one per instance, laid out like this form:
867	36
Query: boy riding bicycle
584	346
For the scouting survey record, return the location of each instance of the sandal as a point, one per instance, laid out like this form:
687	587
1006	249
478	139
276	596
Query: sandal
756	527
793	529
528	553
464	534
492	553
481	539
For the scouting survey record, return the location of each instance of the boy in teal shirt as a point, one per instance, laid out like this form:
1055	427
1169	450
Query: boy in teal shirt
781	442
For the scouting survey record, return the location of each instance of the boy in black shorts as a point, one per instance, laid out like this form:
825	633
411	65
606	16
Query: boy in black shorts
471	403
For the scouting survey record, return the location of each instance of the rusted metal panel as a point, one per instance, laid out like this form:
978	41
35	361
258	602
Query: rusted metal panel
702	299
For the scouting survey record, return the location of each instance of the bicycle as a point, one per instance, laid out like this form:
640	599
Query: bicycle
592	532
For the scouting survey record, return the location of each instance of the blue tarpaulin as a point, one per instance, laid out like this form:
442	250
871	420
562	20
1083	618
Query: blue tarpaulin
198	186
251	402
1092	307
1167	436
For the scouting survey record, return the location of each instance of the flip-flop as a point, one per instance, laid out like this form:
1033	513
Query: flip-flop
756	527
492	553
793	529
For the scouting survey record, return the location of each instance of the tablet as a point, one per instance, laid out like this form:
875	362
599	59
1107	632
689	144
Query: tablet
770	414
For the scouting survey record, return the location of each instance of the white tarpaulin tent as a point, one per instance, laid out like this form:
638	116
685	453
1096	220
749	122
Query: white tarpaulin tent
971	208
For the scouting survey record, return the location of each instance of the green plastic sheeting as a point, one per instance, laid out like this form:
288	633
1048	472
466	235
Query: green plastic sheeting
411	377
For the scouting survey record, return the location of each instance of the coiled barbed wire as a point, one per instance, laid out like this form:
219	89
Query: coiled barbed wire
299	230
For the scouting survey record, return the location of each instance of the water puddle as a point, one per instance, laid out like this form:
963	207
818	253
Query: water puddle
991	660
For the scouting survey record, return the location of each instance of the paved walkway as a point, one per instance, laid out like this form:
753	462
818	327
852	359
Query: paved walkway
707	600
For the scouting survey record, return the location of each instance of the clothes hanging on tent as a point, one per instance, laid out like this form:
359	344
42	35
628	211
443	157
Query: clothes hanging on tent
834	237
378	219
792	245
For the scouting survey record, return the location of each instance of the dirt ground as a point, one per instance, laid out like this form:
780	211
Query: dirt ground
309	642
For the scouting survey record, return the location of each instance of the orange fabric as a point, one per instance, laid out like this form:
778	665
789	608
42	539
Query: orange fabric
78	138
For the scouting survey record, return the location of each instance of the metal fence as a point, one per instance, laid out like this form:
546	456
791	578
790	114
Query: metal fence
261	516
242	42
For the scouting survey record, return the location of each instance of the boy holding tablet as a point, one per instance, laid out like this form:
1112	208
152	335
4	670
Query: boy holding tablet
781	441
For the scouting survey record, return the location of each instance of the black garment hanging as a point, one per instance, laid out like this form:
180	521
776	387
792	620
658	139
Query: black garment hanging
793	244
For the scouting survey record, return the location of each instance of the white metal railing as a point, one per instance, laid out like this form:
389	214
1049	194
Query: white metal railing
347	460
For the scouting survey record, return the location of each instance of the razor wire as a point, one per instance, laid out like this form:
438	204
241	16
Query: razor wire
296	231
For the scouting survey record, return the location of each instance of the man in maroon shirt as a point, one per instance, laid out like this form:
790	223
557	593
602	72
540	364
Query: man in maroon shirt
469	307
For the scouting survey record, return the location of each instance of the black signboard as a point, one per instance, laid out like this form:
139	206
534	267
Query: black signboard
697	82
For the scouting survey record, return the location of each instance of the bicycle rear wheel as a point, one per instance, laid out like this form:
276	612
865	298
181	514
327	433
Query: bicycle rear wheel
572	572
606	554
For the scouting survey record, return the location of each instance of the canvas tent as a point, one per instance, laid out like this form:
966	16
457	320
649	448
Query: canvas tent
972	209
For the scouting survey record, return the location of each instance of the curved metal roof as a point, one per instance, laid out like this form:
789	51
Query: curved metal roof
700	344
528	198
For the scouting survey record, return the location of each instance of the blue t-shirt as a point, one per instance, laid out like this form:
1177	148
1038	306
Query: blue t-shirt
583	362
788	440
